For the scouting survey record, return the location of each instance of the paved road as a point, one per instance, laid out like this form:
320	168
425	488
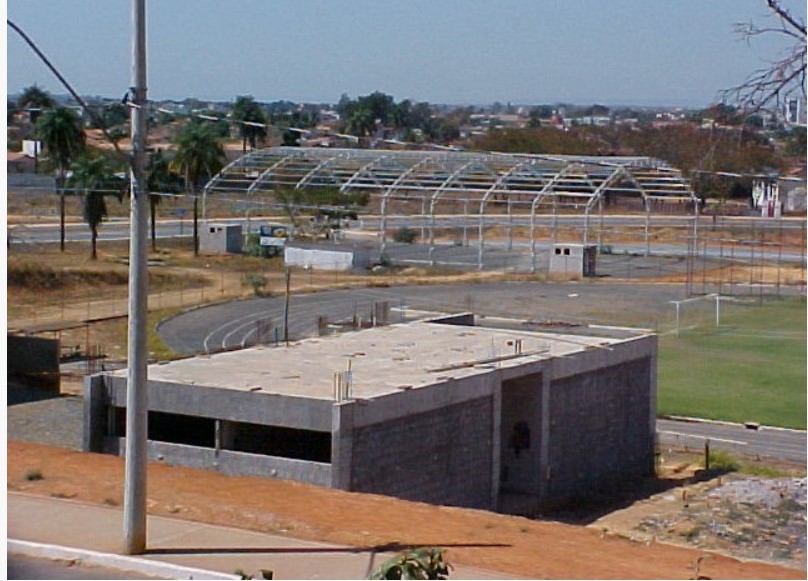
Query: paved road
765	442
118	229
236	324
24	567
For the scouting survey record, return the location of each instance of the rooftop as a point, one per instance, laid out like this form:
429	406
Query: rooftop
382	360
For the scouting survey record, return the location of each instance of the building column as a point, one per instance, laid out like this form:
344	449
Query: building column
95	414
544	451
496	440
341	445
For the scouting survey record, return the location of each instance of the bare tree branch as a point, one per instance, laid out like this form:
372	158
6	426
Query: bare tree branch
767	87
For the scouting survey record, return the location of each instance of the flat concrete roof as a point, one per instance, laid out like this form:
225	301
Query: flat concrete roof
382	360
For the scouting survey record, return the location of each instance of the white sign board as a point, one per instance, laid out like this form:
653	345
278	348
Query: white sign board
271	241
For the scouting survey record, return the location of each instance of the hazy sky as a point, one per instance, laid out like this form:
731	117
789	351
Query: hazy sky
677	52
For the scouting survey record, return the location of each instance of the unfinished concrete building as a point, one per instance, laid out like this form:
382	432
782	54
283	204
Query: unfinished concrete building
438	411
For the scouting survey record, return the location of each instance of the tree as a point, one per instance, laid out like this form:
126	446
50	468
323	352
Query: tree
246	111
361	122
160	180
35	100
770	86
199	157
61	133
95	176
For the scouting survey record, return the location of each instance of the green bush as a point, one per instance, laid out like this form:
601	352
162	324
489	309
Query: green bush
405	235
723	461
420	563
258	282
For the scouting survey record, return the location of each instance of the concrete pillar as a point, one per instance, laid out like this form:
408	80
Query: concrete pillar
653	404
341	445
95	413
496	440
225	435
544	452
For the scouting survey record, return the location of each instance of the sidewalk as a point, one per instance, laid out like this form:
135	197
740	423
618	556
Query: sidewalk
202	546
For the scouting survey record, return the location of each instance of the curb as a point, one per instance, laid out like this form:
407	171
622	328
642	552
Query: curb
134	564
691	420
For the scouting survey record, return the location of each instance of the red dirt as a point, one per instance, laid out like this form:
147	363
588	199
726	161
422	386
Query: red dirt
476	538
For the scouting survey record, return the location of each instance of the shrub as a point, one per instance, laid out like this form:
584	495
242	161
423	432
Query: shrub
421	563
258	282
721	461
405	235
35	474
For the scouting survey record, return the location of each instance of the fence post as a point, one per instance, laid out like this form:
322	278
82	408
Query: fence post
677	318
718	310
706	454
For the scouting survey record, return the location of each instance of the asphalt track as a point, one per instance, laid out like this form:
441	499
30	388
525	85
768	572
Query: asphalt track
236	324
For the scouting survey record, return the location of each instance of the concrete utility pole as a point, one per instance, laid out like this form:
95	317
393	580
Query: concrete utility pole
134	500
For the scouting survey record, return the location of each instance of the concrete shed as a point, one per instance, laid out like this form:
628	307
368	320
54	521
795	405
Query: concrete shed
329	256
444	412
220	239
573	260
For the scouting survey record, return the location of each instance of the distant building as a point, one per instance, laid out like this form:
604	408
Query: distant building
220	239
795	113
18	162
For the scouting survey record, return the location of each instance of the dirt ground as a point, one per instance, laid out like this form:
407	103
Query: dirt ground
534	549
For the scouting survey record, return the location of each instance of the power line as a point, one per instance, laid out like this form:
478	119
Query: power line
67	85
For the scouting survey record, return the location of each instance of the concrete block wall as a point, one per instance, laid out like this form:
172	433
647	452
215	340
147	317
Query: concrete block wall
229	462
442	456
599	428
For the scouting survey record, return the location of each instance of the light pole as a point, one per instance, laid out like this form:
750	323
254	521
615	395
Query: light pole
134	500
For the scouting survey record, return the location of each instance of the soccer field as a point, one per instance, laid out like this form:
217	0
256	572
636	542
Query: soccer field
752	368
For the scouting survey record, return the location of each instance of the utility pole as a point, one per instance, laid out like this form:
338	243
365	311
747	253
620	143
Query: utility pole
134	500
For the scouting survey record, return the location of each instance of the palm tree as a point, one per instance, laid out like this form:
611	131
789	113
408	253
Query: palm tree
246	110
61	133
94	176
161	179
35	100
199	157
361	122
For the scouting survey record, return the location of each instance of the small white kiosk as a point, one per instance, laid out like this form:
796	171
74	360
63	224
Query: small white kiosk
573	260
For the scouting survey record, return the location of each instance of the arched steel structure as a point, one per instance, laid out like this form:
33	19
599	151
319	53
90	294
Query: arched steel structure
468	178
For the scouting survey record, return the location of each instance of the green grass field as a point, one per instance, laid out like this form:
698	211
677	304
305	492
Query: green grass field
750	369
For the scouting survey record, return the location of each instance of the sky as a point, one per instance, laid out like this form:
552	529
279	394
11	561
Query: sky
469	52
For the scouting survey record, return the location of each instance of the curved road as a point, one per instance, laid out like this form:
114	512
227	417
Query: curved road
235	324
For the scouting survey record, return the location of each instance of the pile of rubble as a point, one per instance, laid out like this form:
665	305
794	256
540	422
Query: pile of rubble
752	518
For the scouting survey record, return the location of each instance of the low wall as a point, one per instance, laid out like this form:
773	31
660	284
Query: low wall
34	359
229	462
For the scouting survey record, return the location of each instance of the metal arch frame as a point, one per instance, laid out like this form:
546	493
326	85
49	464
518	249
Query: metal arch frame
423	172
598	193
453	177
645	196
392	188
494	187
561	174
211	184
347	185
259	180
325	163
